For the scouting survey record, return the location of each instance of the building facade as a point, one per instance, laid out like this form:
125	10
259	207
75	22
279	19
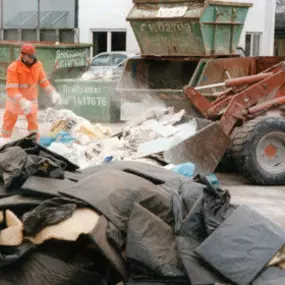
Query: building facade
39	20
103	23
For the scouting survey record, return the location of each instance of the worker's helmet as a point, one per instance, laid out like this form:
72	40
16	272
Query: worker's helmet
28	49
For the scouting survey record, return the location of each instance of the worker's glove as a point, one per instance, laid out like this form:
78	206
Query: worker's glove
55	98
26	106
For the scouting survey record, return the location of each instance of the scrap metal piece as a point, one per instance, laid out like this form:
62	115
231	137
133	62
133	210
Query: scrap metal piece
205	149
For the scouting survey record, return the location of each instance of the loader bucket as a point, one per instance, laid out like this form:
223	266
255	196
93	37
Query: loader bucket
205	148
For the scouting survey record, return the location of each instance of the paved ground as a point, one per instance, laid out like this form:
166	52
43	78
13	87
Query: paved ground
270	201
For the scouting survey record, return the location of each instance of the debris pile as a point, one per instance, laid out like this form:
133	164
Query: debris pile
85	144
125	221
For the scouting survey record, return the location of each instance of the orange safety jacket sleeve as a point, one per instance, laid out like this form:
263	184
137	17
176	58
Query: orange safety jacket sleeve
12	84
44	82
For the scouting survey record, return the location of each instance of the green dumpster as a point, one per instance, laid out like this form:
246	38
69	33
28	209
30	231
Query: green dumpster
60	60
187	27
94	100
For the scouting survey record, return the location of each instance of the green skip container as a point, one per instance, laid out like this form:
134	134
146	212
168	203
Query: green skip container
187	27
94	100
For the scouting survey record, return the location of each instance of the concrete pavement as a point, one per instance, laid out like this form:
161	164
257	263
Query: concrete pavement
267	200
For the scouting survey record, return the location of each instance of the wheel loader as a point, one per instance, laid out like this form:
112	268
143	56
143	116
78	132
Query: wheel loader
189	61
251	113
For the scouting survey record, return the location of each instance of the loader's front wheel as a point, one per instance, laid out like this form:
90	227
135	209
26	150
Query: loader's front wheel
259	150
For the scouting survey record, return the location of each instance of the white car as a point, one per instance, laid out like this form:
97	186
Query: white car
107	66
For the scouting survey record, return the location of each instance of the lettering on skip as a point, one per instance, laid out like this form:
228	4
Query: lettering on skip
168	27
71	58
83	96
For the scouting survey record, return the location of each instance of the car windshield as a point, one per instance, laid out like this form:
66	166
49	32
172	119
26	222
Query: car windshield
117	59
102	60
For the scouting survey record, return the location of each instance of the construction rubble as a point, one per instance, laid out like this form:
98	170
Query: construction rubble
122	221
146	138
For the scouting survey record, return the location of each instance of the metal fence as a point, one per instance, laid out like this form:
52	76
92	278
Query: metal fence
39	20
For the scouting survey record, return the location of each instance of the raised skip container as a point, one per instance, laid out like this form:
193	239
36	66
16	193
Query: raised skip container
187	28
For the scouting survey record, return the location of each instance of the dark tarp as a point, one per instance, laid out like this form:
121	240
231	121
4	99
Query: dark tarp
113	193
18	201
74	176
41	186
99	237
4	193
115	237
41	269
154	174
48	213
199	273
242	245
80	254
10	254
168	281
18	204
271	276
151	247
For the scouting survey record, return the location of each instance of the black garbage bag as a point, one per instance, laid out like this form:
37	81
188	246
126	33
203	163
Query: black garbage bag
114	193
41	269
50	212
199	272
216	205
208	209
31	147
10	254
271	276
186	193
47	167
15	167
151	248
242	245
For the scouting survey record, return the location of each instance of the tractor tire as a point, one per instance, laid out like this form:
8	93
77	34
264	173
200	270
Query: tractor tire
259	150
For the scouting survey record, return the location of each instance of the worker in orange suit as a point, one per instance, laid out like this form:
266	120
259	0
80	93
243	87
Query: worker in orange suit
23	77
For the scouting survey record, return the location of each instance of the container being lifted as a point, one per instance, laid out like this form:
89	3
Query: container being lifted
180	42
187	28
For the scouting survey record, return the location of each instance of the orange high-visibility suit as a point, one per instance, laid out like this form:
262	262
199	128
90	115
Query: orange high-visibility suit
22	82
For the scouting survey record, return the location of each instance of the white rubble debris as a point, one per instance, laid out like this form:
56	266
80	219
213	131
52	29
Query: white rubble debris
155	132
